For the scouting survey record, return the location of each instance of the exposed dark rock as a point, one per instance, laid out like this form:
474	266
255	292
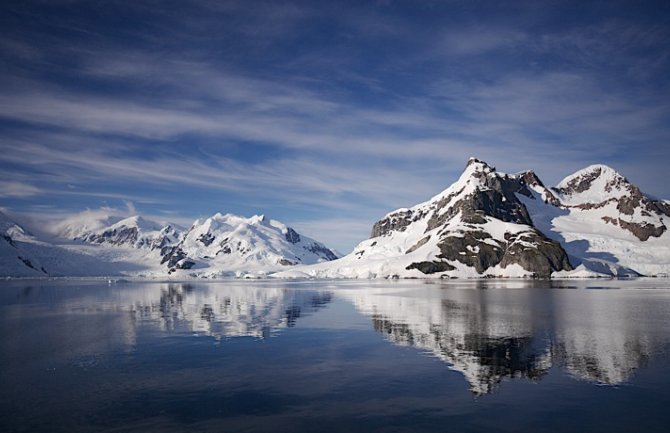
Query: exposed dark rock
431	267
9	240
610	220
531	250
642	231
292	236
497	198
287	262
472	250
535	253
206	239
125	235
529	178
225	248
663	207
581	183
440	216
628	204
30	264
185	264
397	221
172	256
322	251
418	245
589	206
167	235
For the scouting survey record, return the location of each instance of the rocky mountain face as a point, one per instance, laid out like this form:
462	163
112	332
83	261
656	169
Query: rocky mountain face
492	224
458	220
223	244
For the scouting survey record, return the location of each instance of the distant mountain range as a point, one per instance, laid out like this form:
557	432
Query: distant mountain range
487	224
219	246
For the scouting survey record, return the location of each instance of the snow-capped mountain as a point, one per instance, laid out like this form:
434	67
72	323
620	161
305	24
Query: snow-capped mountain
607	224
230	245
492	224
134	231
97	244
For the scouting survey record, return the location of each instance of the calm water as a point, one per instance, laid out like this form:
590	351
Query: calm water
335	356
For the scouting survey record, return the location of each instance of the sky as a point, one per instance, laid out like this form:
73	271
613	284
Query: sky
323	115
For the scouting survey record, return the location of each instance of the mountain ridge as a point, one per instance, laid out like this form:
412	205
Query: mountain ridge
486	224
105	245
492	224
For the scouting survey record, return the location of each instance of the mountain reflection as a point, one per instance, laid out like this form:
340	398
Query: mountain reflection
489	332
490	335
238	311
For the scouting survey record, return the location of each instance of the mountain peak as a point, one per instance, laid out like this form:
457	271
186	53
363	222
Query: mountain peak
256	219
592	172
478	165
136	221
230	244
594	184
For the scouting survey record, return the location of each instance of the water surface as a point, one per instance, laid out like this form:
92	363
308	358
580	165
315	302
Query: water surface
341	356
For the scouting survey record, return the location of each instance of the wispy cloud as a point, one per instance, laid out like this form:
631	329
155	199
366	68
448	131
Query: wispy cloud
17	189
471	41
339	233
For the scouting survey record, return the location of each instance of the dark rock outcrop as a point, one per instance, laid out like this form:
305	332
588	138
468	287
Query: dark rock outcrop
322	251
206	239
9	240
534	252
120	236
431	267
292	236
472	249
397	221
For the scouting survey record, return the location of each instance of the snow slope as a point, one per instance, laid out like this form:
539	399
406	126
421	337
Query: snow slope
22	255
606	224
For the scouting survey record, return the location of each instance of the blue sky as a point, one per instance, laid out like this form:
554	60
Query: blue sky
324	115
